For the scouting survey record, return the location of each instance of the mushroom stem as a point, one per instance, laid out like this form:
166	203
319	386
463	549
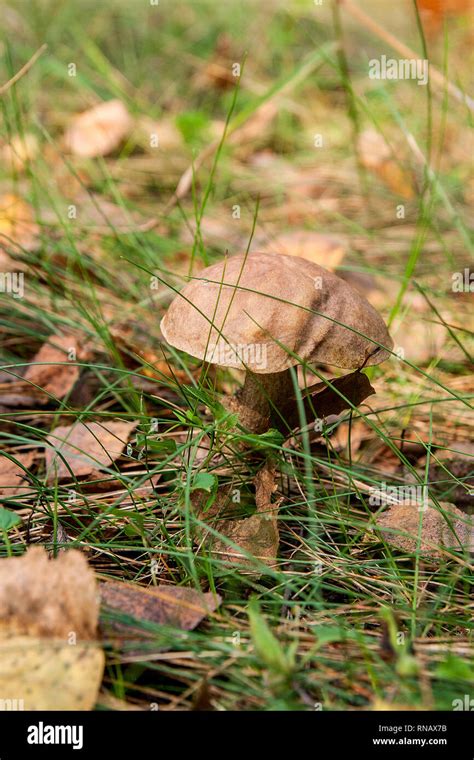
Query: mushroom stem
259	396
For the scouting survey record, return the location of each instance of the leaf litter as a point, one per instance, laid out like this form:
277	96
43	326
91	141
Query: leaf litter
82	448
13	475
164	604
257	535
413	527
49	614
99	131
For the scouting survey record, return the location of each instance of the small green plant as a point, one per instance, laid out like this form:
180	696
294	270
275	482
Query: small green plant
8	520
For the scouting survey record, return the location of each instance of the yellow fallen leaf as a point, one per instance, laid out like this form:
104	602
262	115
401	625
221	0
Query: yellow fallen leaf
49	675
49	611
18	228
20	151
99	131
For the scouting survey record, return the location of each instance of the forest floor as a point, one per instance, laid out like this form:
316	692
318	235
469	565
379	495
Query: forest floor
241	125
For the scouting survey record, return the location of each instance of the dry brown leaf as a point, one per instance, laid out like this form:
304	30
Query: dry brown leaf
258	535
159	367
400	524
458	450
325	400
48	598
265	486
214	74
17	224
160	135
217	72
86	447
14	394
49	613
132	340
381	456
164	604
52	370
182	265
325	250
377	157
13	476
99	130
199	445
350	436
17	393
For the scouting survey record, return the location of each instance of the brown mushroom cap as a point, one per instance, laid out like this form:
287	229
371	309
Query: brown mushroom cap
267	312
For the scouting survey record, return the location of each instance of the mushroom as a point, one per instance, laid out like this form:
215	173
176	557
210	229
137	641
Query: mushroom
266	313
